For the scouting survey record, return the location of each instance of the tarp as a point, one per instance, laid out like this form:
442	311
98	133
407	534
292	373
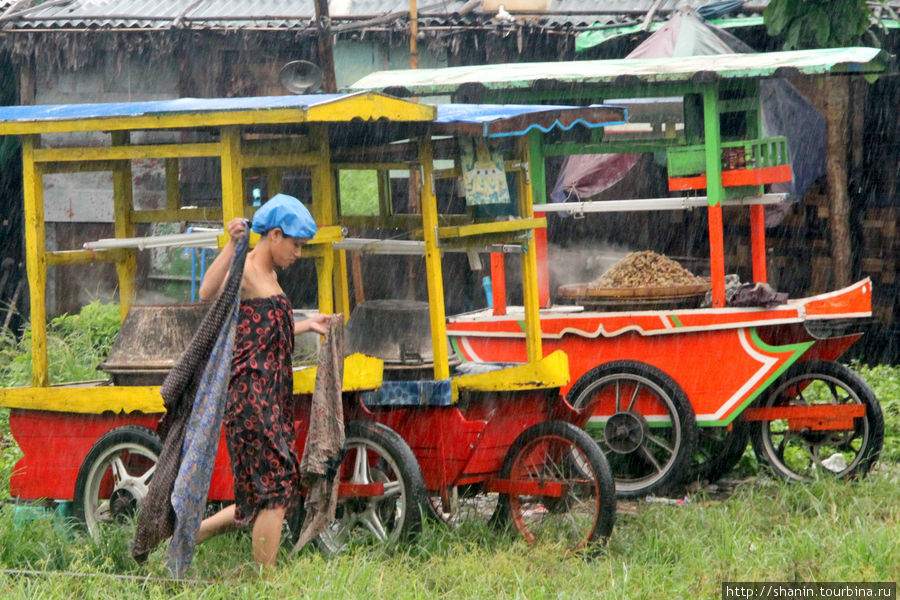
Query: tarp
785	113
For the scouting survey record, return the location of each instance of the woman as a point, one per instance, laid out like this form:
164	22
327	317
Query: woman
259	424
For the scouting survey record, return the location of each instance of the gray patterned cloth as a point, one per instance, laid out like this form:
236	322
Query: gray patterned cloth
323	451
194	396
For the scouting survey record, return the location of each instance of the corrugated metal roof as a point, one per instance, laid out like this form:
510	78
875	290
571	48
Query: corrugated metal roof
284	14
585	72
293	14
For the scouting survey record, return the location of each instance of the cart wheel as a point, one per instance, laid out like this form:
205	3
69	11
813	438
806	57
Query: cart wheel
579	507
804	454
374	453
114	477
719	449
642	421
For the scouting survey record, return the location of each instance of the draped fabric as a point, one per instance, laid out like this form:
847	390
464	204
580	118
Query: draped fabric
194	396
259	415
323	450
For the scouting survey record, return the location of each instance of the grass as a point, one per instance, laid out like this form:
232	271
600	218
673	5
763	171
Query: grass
765	531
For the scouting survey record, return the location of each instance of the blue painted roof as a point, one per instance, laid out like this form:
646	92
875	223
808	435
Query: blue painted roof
560	117
67	112
496	119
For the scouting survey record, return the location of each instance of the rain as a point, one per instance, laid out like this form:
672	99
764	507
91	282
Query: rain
478	172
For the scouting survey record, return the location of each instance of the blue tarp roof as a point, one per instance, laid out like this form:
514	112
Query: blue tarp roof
544	117
66	112
493	119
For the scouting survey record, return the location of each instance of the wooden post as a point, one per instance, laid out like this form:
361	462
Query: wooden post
123	203
35	258
326	51
433	270
837	103
715	193
413	35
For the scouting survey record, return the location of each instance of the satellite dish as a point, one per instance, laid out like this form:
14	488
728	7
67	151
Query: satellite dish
300	77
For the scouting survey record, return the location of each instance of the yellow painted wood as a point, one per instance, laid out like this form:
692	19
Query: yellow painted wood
341	286
323	188
123	207
327	234
323	212
370	106
175	215
522	224
80	257
325	279
361	372
173	190
530	296
80	399
126	152
35	258
552	371
232	176
362	105
433	272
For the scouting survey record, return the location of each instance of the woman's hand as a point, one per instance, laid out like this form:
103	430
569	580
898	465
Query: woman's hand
236	228
317	323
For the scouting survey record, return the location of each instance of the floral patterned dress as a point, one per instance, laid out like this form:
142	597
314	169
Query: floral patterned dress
259	415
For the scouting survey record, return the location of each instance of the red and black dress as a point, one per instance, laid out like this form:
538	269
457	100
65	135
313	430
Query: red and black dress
259	415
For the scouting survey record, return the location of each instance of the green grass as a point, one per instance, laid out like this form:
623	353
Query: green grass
766	531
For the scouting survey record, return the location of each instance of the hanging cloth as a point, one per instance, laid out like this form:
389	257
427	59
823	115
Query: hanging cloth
194	397
484	174
323	451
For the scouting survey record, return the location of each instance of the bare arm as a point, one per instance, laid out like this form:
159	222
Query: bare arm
317	323
217	273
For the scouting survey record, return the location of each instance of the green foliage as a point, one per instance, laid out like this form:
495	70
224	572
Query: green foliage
817	23
885	382
76	345
359	192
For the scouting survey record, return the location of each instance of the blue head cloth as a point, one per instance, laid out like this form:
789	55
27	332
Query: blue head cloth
286	213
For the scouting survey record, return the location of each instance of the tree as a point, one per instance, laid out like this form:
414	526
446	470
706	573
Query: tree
817	23
825	24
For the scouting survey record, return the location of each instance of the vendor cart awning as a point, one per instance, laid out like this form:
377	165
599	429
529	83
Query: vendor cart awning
183	112
526	76
499	120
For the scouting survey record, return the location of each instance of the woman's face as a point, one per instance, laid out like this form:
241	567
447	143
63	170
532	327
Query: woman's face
285	249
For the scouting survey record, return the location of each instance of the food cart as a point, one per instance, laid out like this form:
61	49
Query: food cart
680	388
411	437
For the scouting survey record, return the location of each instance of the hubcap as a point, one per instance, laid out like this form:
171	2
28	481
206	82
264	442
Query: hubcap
625	432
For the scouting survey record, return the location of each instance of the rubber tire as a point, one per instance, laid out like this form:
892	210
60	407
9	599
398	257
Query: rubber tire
127	435
678	467
605	515
716	456
414	495
851	382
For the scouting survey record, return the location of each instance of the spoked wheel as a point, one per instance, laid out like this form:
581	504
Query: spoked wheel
560	487
719	449
114	477
642	421
797	451
376	458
